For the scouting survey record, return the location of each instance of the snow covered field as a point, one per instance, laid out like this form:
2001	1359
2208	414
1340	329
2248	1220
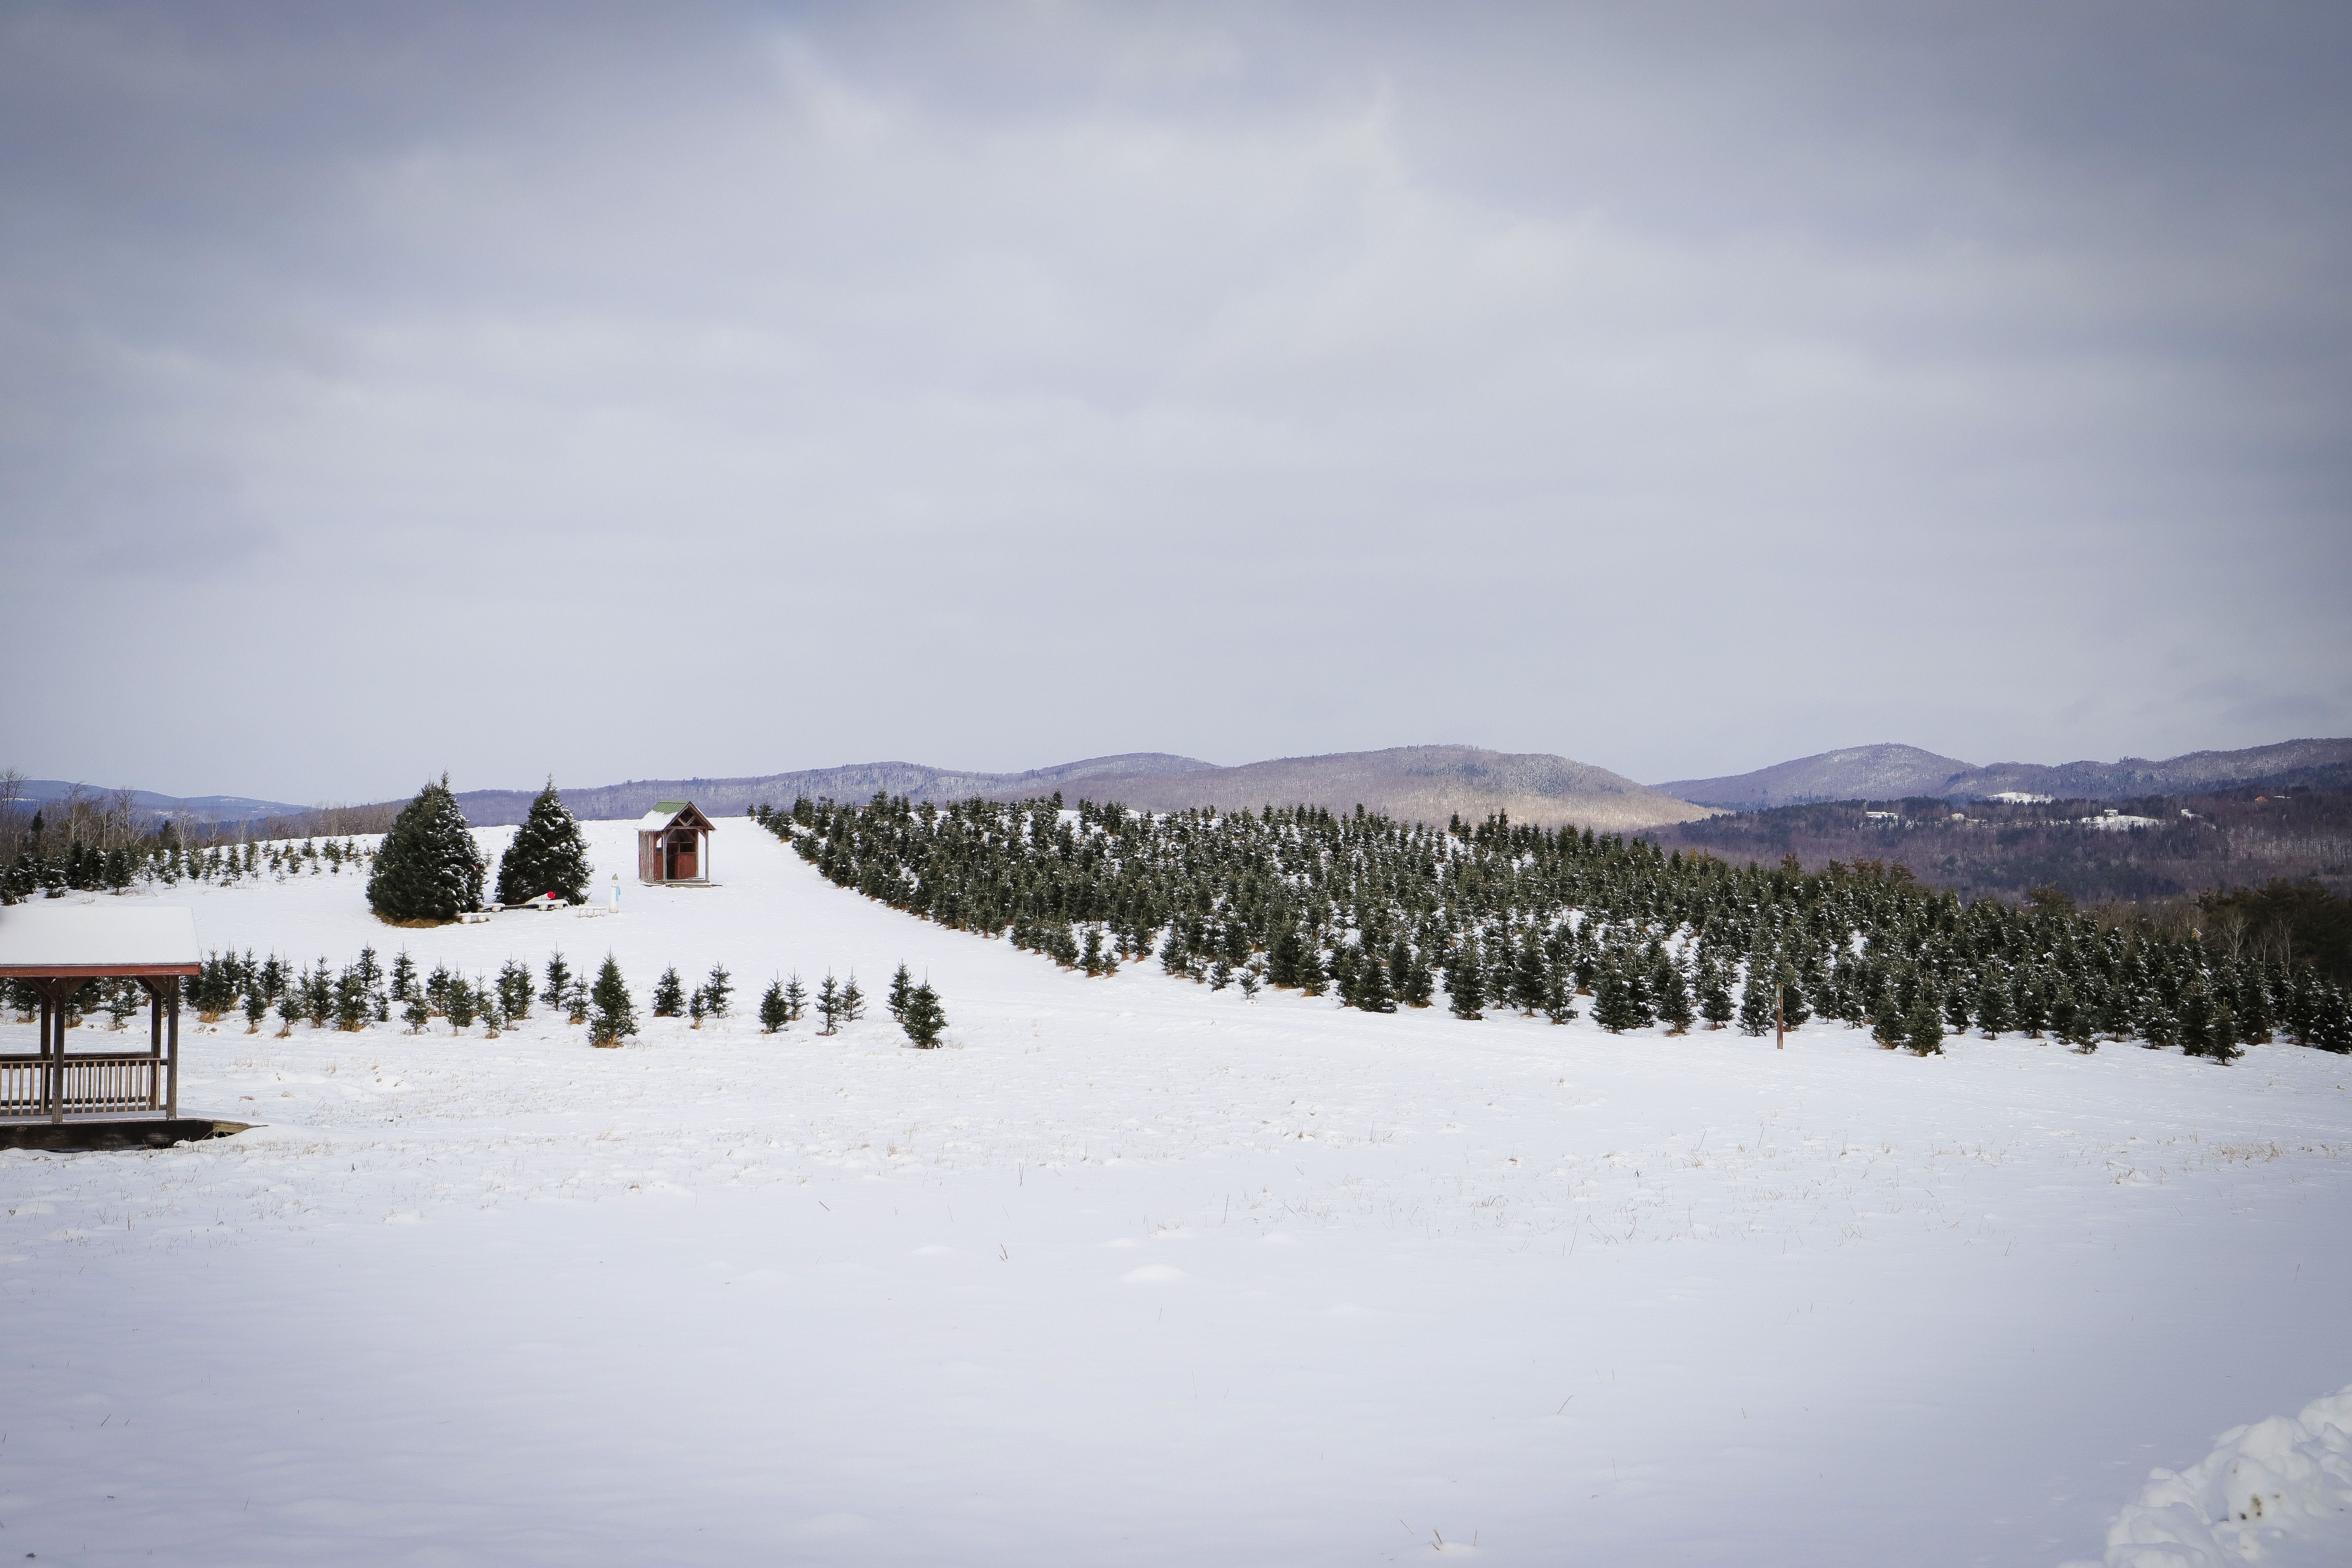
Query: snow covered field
1137	1273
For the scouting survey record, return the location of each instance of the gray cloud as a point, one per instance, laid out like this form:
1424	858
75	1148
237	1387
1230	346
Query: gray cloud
1678	389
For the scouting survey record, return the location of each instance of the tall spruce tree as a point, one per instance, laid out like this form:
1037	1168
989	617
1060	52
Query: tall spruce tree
1464	991
429	867
548	855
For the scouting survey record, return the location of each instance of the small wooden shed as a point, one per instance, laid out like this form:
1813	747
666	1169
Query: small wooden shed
674	845
59	948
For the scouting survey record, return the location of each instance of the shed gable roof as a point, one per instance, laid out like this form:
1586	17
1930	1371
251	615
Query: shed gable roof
674	814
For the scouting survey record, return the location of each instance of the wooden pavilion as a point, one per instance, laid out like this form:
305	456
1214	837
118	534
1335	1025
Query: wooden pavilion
674	845
58	949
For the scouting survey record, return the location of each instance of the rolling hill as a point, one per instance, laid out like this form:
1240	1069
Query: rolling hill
1418	784
1890	772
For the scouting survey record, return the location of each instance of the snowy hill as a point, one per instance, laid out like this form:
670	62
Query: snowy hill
1138	1272
1892	772
858	781
2191	772
1886	772
1413	784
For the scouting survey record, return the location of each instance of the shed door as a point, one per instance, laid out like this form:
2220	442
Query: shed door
681	859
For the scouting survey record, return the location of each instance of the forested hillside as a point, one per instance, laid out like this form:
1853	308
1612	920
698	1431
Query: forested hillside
2154	848
1387	914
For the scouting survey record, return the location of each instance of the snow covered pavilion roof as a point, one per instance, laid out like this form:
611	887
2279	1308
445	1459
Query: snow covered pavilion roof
54	938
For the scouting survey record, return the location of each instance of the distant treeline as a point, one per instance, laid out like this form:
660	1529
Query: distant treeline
2230	839
104	821
1503	915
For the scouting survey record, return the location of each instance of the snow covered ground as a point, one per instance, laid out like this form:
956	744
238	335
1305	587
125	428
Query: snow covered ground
1137	1273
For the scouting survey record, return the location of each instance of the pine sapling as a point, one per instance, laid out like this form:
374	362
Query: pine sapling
616	1015
924	1019
774	1010
669	994
559	980
461	1007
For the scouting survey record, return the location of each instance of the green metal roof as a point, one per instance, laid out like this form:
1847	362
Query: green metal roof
672	807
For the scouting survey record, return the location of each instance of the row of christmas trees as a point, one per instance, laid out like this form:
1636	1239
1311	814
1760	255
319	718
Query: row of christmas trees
367	992
163	862
1515	916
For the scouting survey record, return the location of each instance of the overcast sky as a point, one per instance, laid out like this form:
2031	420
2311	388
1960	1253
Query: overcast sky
716	390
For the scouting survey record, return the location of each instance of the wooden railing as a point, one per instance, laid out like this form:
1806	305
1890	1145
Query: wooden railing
111	1081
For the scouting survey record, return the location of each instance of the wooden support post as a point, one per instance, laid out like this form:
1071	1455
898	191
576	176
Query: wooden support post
155	1042
53	1052
1780	1019
172	1064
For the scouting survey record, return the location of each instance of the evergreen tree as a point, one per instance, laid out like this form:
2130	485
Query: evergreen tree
429	867
795	999
828	1006
1464	991
559	980
1415	984
615	1018
1755	996
460	1007
1924	1032
1713	997
514	990
2328	1020
1993	1013
669	994
1794	1011
1617	1003
416	1014
1282	957
774	1010
351	1001
1373	992
2208	1028
853	1000
1674	1001
902	986
718	991
923	1018
1527	981
548	855
2071	1021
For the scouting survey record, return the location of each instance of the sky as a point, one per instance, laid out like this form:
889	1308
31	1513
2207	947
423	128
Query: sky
709	390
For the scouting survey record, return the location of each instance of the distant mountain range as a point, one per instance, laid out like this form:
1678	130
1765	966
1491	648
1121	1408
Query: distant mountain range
1426	784
38	792
1891	771
857	782
1415	783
